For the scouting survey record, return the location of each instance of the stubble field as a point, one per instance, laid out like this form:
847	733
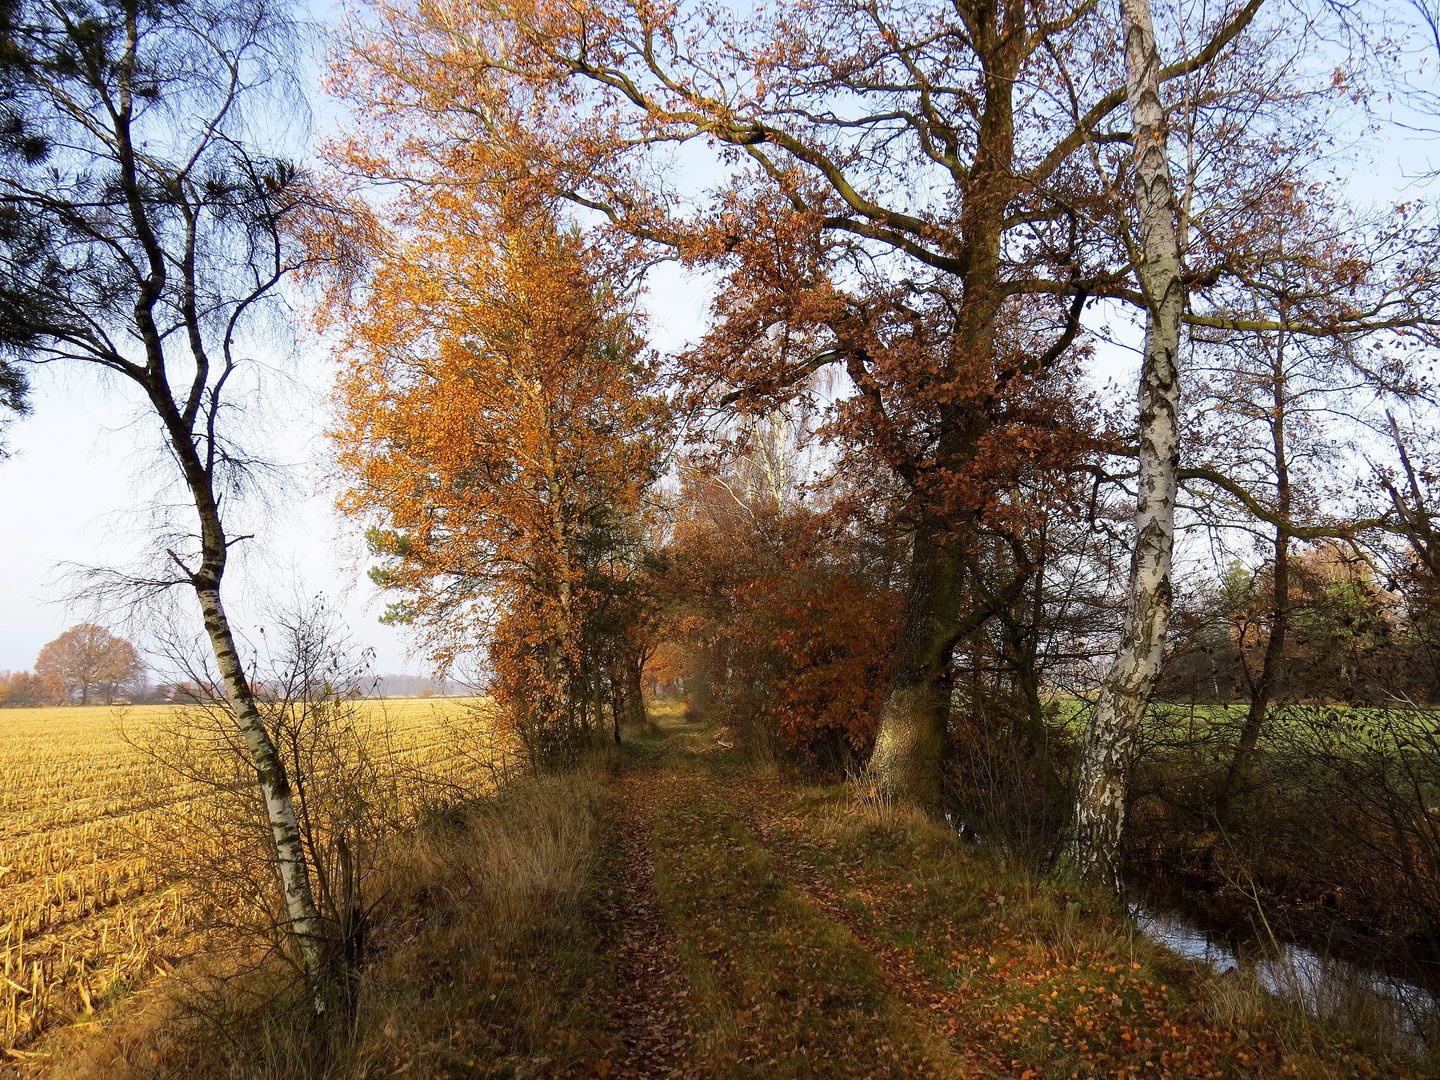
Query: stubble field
88	905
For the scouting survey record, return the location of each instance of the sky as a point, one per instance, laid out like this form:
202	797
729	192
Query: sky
77	472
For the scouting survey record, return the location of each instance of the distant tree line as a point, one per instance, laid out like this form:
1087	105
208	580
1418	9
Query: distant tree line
86	665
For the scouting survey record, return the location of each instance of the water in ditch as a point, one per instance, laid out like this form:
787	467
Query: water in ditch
1365	1001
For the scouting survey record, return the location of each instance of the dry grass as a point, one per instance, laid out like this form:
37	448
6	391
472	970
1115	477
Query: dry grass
521	857
485	962
89	908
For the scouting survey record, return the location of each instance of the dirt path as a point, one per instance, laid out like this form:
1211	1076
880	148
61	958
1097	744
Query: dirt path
778	984
649	1011
762	933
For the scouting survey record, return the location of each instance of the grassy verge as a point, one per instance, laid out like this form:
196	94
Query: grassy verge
1038	986
490	961
994	969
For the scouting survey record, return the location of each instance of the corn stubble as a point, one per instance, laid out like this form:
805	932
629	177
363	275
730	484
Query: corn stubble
96	837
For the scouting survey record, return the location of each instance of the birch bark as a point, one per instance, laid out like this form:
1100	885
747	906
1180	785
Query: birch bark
1092	853
305	923
300	909
161	240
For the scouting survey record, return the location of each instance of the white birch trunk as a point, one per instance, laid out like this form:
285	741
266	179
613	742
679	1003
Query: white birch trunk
304	918
1092	854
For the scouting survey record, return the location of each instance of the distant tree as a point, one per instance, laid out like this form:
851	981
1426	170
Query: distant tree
88	659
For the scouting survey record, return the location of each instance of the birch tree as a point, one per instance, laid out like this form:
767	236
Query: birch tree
1342	291
1099	814
159	238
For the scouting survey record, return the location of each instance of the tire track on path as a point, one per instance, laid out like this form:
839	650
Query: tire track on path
650	1008
758	809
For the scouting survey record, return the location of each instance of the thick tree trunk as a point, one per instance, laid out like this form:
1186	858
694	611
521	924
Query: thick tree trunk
635	690
914	719
915	716
1092	854
1021	649
300	908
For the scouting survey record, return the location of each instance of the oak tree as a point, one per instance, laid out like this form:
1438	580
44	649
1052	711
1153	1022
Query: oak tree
88	659
920	195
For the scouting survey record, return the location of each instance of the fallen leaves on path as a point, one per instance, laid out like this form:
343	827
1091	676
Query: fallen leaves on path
650	1005
780	989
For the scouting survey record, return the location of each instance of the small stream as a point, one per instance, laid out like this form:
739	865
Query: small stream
1364	1001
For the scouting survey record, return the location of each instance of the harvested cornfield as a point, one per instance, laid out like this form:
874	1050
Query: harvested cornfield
87	901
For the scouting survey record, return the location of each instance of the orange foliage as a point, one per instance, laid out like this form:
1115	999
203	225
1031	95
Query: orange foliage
86	660
24	690
784	612
498	426
953	335
834	639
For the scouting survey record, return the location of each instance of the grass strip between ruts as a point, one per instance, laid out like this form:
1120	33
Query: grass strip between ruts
780	990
